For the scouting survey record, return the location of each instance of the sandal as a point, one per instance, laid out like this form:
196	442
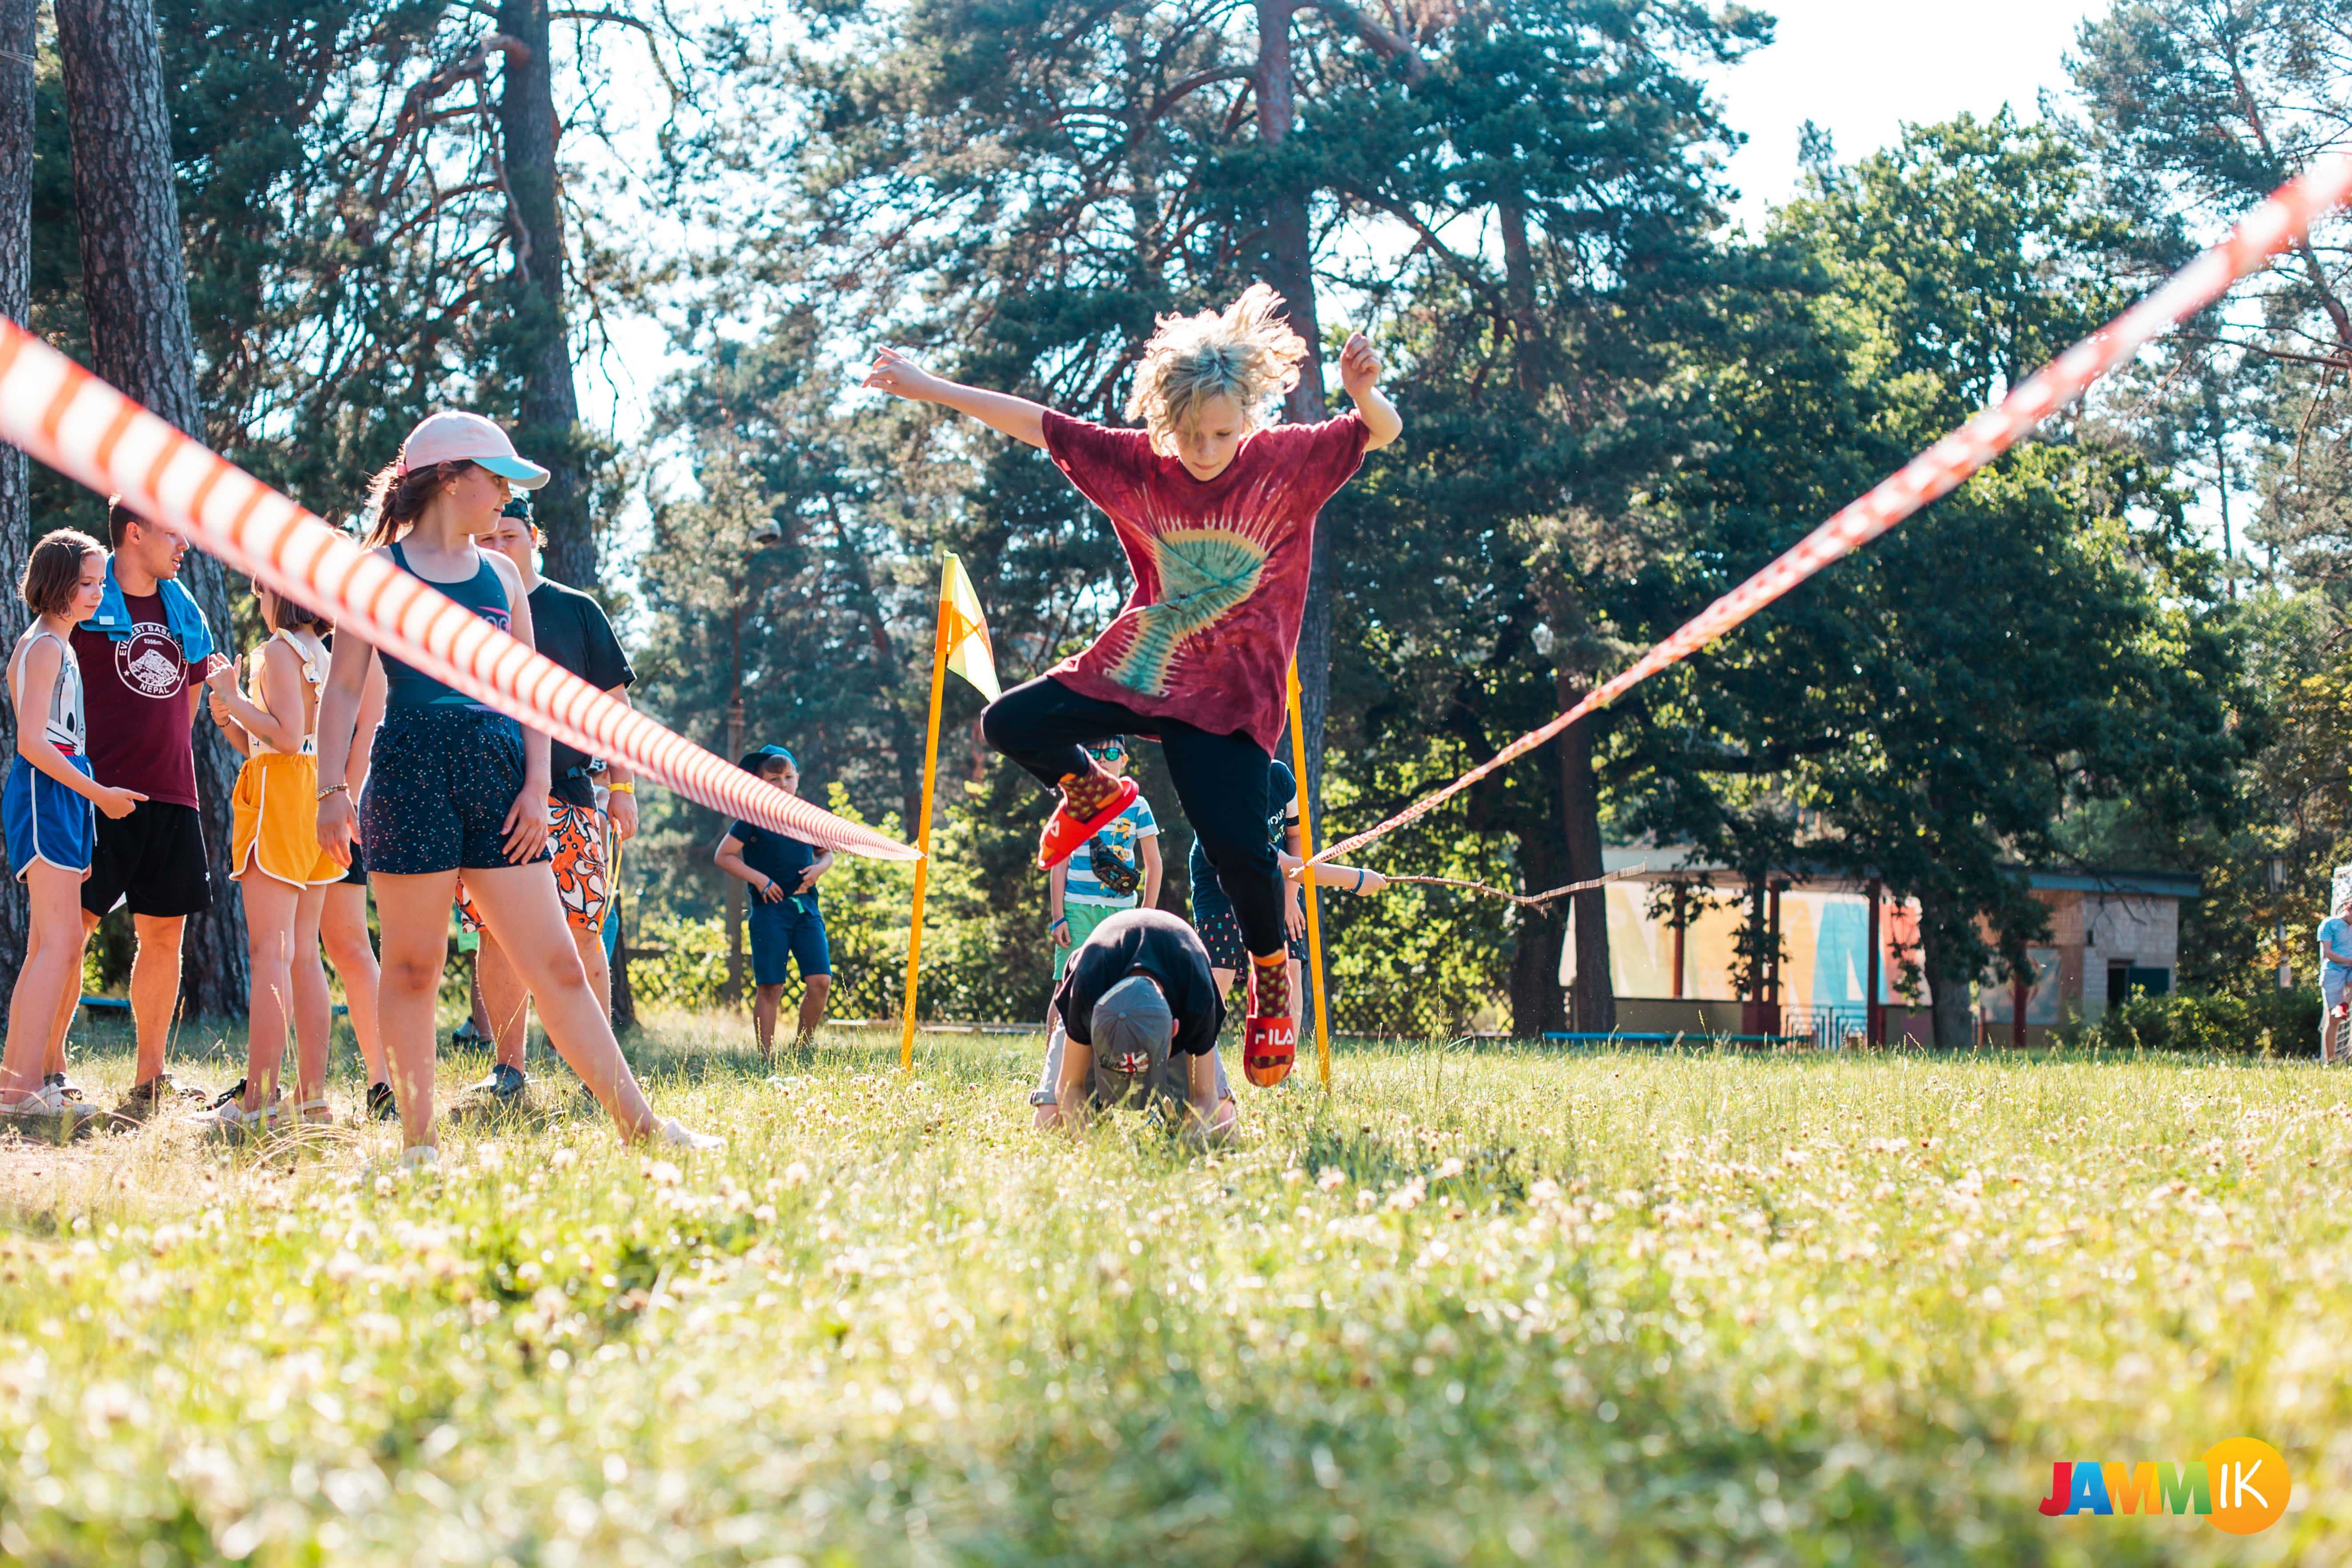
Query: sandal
325	1116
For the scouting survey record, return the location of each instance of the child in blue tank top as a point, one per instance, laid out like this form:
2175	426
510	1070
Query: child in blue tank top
47	808
457	786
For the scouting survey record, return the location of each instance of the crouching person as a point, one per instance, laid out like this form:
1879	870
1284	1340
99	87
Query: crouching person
1140	1019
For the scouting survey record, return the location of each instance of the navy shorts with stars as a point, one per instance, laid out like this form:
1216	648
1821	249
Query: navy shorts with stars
440	783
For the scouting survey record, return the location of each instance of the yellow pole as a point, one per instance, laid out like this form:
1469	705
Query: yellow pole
923	832
1307	842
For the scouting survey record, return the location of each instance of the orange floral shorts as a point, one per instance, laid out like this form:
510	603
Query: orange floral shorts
583	875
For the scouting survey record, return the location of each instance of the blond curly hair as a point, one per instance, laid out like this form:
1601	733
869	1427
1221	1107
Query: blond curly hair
1246	352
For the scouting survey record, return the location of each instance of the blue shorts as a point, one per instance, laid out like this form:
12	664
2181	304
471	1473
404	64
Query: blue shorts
45	821
786	931
2332	979
440	783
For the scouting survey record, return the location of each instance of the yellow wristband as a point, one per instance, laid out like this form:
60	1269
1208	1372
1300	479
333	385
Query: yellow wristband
620	789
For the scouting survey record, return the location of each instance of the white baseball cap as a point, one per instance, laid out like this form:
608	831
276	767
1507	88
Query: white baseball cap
451	436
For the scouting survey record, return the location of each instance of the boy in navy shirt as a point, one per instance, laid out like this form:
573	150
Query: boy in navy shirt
786	923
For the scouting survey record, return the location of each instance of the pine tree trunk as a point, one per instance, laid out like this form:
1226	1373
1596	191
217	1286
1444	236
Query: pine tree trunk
1593	1004
1949	1003
19	20
1290	268
135	287
550	431
1538	1002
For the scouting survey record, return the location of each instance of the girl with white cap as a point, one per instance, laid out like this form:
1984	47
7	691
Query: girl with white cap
456	786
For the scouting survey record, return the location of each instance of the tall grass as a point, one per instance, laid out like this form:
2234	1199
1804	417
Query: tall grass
1474	1306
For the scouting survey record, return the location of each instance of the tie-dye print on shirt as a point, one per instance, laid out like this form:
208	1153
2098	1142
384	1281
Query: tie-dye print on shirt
1220	568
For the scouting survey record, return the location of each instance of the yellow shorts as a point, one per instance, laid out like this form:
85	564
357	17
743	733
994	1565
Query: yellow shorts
275	830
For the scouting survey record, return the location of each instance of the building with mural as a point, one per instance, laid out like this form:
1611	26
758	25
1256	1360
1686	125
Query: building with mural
1844	966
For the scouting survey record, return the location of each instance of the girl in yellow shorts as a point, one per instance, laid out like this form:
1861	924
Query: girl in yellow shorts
284	873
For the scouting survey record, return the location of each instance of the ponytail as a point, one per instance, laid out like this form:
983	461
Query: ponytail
397	497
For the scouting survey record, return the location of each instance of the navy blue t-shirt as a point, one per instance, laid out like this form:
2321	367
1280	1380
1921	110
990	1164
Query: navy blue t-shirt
780	856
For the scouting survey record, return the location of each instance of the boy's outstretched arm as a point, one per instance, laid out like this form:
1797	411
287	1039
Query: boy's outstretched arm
1016	416
1359	372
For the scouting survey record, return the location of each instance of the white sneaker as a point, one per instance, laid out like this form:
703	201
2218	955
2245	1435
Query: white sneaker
47	1109
424	1157
231	1119
674	1134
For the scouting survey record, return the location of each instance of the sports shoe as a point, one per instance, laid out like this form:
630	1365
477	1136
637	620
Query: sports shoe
505	1085
62	1084
422	1158
146	1099
380	1103
46	1112
465	1033
1270	1038
674	1134
1091	801
232	1121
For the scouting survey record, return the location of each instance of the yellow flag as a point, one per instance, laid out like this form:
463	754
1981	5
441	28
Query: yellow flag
965	630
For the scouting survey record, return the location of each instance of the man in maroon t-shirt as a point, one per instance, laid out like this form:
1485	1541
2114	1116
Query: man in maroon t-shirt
143	659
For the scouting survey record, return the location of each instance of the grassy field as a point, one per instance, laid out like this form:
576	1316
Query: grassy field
1472	1307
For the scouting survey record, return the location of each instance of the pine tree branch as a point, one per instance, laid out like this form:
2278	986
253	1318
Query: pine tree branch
1389	46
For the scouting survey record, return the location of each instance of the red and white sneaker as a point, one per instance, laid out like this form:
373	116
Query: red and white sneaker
1270	1038
1064	832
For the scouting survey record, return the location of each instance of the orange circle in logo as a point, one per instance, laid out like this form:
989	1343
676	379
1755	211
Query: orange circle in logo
2250	1484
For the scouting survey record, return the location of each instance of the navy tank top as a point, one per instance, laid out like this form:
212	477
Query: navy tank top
486	595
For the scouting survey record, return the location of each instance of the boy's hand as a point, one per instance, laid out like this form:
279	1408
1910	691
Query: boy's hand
116	804
1359	367
895	373
808	874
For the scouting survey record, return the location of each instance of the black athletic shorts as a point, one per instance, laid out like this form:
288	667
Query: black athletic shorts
358	873
152	860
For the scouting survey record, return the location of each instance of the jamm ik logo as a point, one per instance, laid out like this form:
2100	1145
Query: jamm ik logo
2242	1485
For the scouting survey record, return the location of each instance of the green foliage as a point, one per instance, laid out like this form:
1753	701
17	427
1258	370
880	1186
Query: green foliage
2265	1023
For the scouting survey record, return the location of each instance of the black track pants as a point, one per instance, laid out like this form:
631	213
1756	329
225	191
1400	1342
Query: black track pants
1220	782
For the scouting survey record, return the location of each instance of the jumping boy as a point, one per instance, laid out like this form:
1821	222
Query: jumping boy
787	925
1215	511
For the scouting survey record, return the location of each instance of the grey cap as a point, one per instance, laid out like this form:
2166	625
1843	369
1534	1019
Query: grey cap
1133	1031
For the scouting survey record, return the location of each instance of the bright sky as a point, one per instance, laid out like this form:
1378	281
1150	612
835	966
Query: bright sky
1862	68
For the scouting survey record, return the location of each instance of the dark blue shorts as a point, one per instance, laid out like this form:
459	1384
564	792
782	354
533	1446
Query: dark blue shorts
786	931
45	821
439	785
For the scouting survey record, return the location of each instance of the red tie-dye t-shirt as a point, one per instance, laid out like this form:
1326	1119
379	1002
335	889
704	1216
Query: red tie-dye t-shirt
1220	568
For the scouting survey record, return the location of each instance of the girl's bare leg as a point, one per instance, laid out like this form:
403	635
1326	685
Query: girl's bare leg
342	927
54	1058
269	909
314	1010
50	977
521	903
414	913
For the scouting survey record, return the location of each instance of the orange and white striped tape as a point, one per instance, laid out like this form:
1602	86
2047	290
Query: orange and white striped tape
82	428
2277	224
